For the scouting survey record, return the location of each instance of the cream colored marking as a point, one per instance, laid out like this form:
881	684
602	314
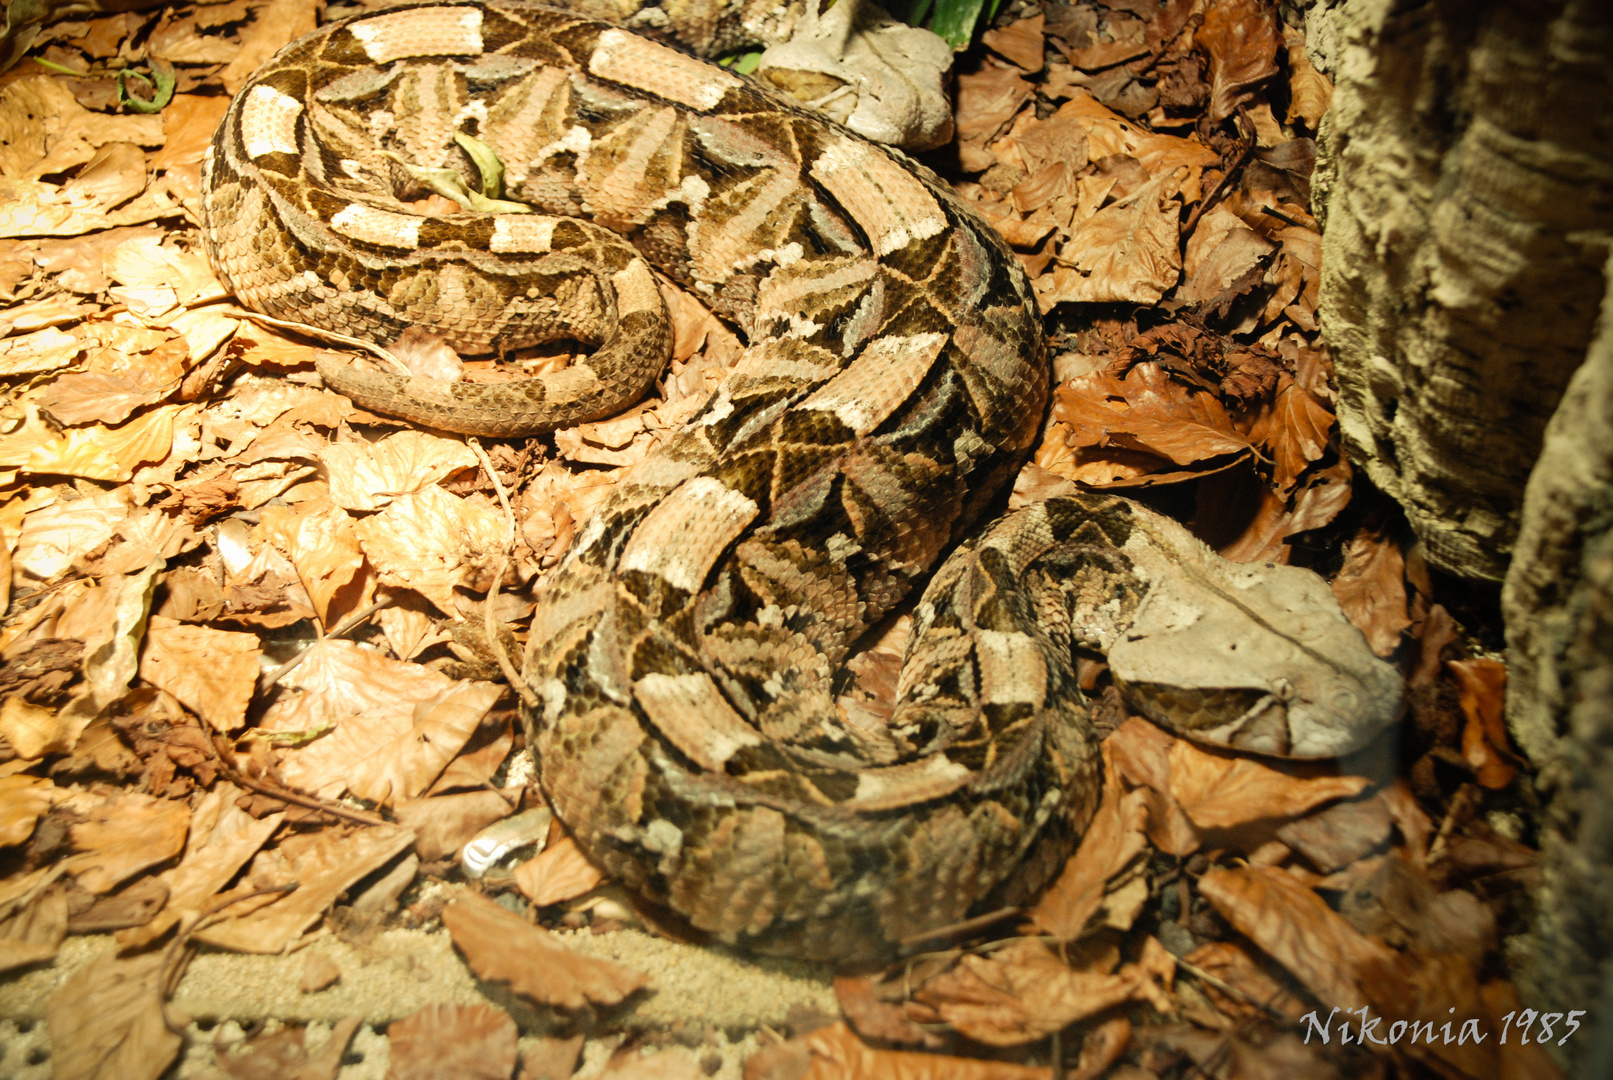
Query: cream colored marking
682	537
891	204
1011	668
878	381
523	233
892	786
642	64
693	714
269	122
428	31
368	225
635	288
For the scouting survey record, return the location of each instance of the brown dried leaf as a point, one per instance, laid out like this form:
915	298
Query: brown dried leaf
106	1022
1221	250
1129	251
92	397
369	476
283	1054
1339	835
33	931
397	752
550	1058
501	946
1141	754
1240	38
1020	43
670	1063
1219	791
1400	904
1297	275
1309	91
222	838
453	1042
445	823
1321	497
34	354
1371	588
324	865
22	797
876	1019
1483	695
276	25
1024	992
1227	961
558	873
987	102
44	130
96	452
124	835
213	673
434	542
1110	844
1153	413
321	541
34	731
1101	1048
1295	927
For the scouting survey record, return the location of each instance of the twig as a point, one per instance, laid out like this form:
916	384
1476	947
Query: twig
1461	804
1246	147
296	798
1227	988
1280	216
489	625
960	929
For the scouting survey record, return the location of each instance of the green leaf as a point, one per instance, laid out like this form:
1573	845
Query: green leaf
163	74
744	63
955	21
487	163
450	185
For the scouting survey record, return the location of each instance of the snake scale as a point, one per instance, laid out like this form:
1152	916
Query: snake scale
688	651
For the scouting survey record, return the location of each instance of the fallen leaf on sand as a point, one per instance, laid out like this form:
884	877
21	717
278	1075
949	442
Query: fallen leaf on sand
106	1022
501	946
466	1042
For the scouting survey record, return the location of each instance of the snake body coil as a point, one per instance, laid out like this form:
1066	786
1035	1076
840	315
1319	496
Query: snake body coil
688	650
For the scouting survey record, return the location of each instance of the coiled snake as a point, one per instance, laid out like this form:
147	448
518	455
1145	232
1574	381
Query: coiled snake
688	650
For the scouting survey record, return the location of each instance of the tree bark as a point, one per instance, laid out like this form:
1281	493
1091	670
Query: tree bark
1558	603
1465	180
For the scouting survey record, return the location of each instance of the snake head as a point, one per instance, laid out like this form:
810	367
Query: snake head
1254	657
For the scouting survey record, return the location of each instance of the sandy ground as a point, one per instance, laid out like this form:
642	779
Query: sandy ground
711	1001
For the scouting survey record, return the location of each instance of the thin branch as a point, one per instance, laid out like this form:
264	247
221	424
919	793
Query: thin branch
489	624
